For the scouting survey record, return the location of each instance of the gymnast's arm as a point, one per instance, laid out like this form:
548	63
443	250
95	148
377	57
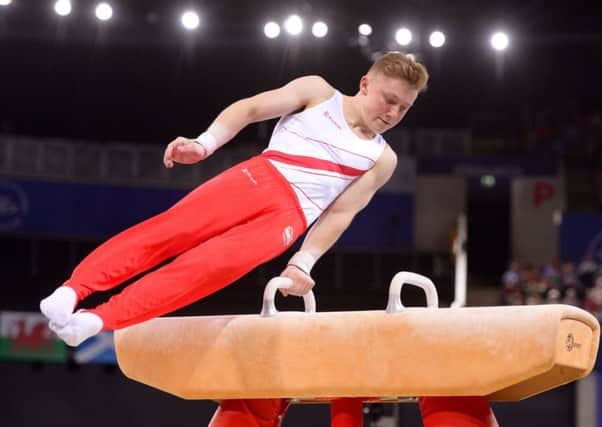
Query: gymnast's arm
294	96
335	220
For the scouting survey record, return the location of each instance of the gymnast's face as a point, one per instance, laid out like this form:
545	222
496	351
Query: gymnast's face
384	101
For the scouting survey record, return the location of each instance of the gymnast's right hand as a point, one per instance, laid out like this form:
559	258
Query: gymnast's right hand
183	150
302	282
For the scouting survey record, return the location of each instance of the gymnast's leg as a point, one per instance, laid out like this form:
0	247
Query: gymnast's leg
207	211
201	270
456	412
250	413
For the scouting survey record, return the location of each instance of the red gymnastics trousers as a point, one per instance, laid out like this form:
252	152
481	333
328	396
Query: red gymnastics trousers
223	229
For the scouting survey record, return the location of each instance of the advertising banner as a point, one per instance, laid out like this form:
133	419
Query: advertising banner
26	336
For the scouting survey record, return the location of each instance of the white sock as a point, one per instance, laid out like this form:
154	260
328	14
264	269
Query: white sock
58	306
81	326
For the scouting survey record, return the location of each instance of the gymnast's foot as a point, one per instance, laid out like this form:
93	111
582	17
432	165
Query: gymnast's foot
58	306
81	326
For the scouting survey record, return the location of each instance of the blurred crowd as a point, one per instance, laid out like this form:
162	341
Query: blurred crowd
555	283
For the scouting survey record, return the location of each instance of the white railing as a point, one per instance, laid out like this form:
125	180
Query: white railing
141	164
112	163
461	262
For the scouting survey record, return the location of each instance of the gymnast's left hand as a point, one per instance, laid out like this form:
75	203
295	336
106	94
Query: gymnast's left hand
302	282
183	150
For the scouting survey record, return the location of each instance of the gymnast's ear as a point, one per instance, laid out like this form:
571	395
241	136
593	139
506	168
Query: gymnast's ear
364	85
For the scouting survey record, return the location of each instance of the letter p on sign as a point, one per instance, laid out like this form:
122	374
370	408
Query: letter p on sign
542	191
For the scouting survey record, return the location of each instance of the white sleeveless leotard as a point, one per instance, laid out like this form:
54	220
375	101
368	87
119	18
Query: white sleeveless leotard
319	155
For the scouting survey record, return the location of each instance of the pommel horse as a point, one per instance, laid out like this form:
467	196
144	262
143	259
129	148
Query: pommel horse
454	360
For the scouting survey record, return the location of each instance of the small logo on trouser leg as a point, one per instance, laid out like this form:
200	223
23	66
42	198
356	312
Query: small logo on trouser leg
287	235
249	175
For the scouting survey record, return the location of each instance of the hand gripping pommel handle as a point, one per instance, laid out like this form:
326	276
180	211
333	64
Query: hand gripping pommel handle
269	308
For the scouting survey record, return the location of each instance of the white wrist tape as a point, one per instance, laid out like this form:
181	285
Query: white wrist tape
214	137
208	142
303	260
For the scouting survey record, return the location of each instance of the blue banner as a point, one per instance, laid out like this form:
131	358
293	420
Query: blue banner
581	234
70	210
77	210
97	349
387	222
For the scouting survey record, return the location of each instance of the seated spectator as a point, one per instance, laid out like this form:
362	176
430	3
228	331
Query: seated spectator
593	299
551	270
534	299
569	276
511	279
553	296
514	297
535	290
571	298
586	271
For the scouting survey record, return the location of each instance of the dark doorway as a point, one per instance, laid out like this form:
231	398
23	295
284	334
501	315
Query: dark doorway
488	217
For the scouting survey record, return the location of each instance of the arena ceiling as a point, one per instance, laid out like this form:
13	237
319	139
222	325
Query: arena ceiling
141	77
